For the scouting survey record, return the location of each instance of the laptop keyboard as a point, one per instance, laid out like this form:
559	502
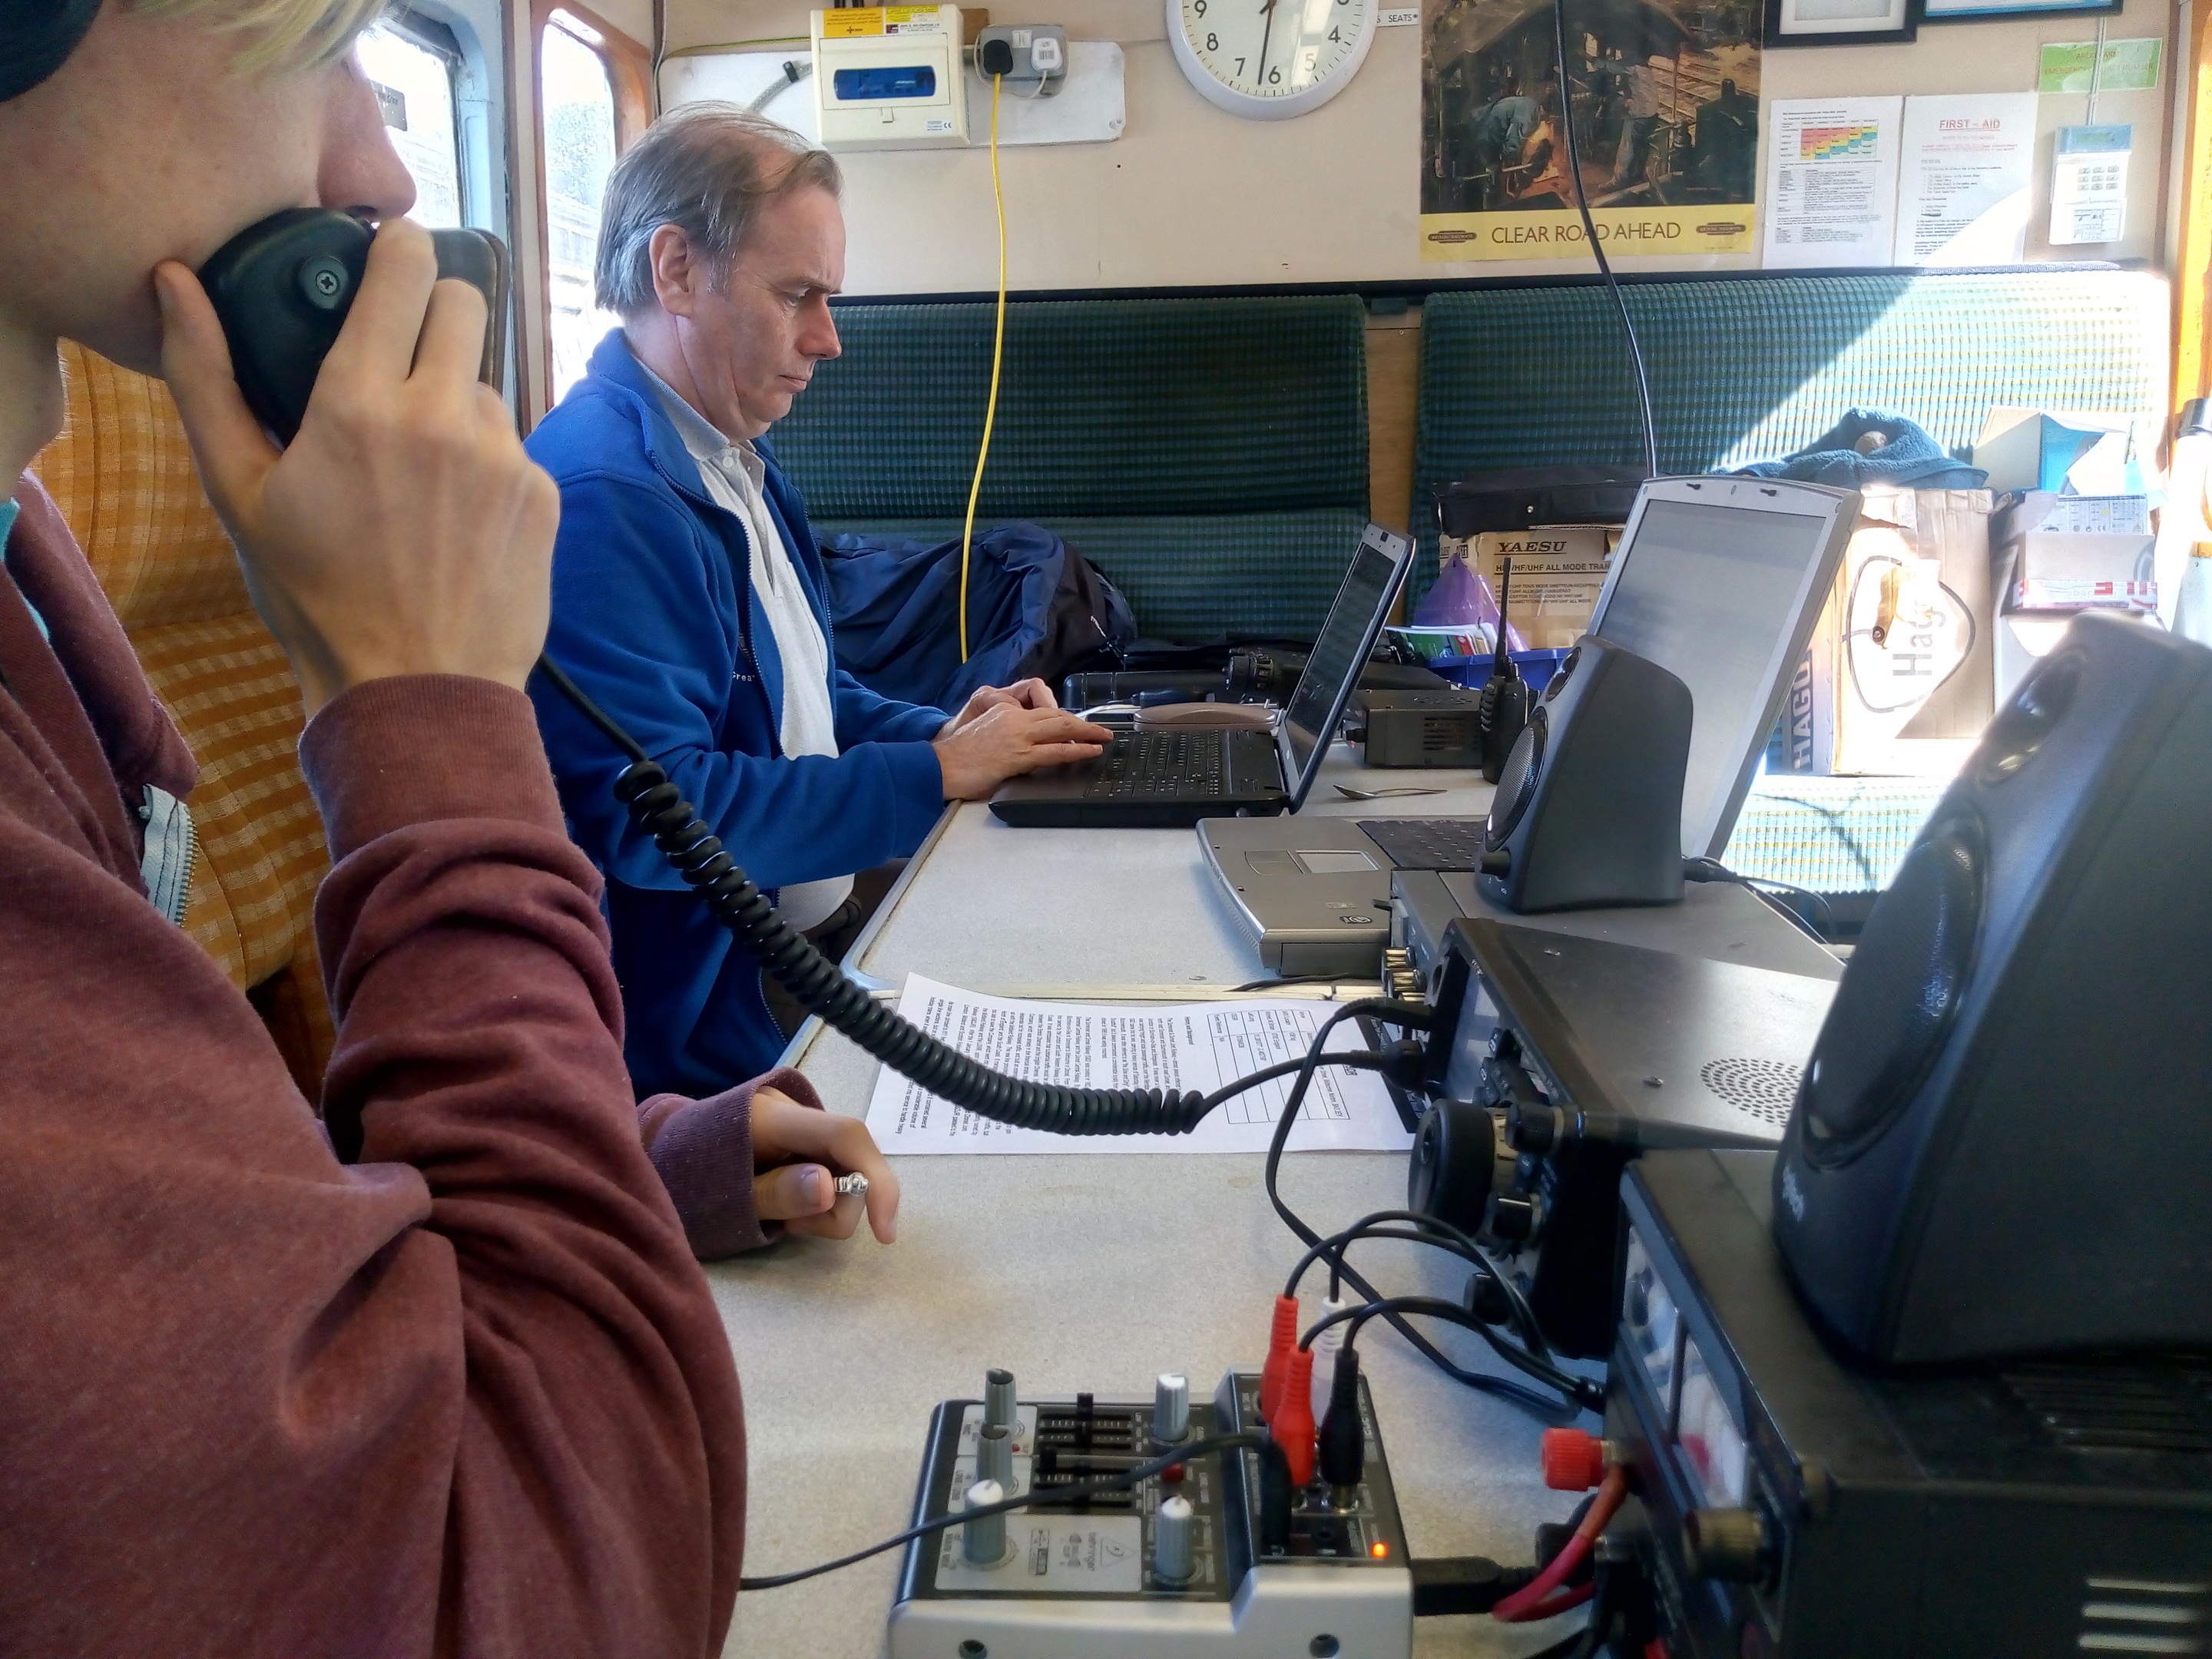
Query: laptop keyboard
1429	843
1161	766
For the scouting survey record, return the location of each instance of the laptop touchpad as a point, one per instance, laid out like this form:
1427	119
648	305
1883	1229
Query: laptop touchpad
1333	864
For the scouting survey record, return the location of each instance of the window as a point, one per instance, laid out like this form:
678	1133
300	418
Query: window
413	66
577	93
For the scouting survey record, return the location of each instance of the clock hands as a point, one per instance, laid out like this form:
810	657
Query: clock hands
1266	10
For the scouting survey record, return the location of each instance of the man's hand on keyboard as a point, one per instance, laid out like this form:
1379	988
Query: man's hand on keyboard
1030	693
981	753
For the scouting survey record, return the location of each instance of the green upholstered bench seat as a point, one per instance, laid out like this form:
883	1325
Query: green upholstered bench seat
1830	834
1748	368
1209	454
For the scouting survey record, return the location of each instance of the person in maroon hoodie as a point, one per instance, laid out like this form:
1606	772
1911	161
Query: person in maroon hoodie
468	1394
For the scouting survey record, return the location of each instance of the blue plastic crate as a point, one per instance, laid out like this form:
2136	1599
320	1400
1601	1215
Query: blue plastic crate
1536	667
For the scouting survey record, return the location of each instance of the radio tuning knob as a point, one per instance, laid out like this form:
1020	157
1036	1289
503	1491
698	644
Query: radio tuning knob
1511	1218
1730	1546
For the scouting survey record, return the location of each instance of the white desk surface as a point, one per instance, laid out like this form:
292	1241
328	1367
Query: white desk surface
996	908
1079	1271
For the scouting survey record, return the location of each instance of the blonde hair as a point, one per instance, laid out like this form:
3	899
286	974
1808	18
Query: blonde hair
284	34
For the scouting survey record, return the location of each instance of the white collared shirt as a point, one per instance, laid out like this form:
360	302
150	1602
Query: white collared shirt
736	476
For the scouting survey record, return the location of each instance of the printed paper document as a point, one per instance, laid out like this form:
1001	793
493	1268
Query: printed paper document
1831	172
1193	1046
1963	179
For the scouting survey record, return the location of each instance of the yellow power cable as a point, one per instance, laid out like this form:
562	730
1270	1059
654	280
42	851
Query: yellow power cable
997	351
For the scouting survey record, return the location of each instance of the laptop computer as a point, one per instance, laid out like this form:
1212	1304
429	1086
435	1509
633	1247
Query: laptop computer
1718	578
1172	779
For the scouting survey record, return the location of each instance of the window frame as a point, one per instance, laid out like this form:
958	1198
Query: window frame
439	40
629	73
2191	249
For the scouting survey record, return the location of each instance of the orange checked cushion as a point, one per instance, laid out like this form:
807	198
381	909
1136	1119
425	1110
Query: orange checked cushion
122	474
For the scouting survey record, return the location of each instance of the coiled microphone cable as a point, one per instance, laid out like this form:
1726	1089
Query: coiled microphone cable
658	807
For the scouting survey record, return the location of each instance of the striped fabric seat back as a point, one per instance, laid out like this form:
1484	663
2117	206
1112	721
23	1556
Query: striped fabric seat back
122	474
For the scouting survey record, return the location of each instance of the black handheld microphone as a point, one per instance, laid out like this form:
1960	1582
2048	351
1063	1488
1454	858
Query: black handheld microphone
1504	708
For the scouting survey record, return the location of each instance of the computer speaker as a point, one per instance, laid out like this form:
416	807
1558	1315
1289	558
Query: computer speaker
2002	1142
1589	809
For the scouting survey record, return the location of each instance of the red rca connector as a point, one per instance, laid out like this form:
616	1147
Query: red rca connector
1293	1424
1282	1343
1573	1459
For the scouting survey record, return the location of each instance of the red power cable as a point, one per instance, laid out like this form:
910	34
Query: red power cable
1536	1600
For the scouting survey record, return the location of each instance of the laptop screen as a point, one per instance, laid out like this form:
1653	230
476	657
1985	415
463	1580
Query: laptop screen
1711	594
1345	640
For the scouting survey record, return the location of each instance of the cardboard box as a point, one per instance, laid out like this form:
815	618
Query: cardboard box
2093	452
1559	571
2076	553
1899	677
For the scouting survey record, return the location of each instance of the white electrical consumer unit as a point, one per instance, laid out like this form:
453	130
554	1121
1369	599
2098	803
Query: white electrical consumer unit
889	77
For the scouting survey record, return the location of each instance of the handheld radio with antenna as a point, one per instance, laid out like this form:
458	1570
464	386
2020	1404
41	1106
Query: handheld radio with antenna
1504	709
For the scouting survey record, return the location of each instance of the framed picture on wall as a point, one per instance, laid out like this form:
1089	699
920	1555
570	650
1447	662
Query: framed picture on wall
1968	11
1841	22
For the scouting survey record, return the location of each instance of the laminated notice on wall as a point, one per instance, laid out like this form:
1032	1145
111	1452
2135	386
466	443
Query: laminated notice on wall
1831	182
853	22
1963	179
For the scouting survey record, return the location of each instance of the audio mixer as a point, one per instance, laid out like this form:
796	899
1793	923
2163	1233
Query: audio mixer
1210	1558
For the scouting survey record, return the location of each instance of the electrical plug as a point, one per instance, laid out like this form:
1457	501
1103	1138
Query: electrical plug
1343	1435
1325	1347
1282	1342
1293	1424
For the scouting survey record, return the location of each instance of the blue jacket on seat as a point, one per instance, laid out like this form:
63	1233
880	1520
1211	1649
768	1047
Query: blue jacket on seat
652	618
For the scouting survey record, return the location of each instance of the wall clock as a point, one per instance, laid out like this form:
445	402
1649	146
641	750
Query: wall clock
1270	59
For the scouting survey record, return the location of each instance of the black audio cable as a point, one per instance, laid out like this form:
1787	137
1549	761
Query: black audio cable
1567	96
1437	1235
1714	870
1577	1393
658	807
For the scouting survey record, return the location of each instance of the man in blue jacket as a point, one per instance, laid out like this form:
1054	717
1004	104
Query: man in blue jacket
689	594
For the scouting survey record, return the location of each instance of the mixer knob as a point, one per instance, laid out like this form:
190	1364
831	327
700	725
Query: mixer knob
999	1398
1729	1545
983	1542
994	1455
1173	1561
1171	1408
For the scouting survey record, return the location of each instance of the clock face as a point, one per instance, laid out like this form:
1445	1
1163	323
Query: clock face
1270	58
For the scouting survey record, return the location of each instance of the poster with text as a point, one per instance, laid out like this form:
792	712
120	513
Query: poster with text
1664	100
